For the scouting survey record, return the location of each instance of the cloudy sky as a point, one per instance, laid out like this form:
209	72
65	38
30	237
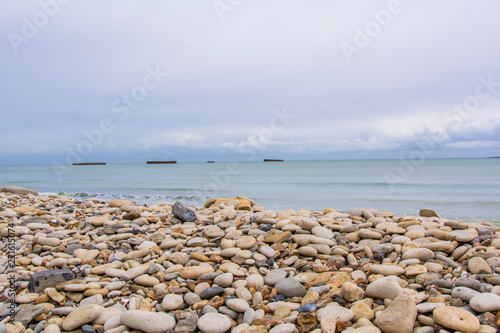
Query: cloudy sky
191	80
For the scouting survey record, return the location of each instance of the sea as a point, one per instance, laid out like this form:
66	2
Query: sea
458	189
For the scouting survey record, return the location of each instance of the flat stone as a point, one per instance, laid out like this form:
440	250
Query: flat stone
152	322
27	314
47	279
485	302
81	316
456	319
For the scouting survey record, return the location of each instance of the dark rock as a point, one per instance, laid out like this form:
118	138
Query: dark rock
211	292
45	279
183	213
72	247
266	227
209	276
26	315
131	216
88	329
17	190
308	307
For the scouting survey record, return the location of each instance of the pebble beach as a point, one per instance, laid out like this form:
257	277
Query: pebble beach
70	265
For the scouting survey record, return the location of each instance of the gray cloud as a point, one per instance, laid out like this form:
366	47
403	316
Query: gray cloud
227	76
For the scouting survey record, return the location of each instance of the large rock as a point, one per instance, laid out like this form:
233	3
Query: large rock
183	213
152	322
17	190
456	319
399	316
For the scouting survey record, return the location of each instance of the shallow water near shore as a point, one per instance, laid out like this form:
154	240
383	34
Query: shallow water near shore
463	189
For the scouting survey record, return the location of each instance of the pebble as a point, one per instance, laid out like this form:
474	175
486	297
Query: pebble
290	287
152	322
81	316
283	328
383	289
237	304
274	276
172	302
214	323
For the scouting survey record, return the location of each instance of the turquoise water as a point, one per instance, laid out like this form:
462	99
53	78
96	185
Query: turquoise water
466	189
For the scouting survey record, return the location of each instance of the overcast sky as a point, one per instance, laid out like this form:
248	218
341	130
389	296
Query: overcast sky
196	80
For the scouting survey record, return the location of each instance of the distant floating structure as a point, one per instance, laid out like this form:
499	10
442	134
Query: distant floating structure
272	160
90	163
161	162
210	161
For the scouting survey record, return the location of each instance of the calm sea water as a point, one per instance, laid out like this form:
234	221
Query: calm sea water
466	189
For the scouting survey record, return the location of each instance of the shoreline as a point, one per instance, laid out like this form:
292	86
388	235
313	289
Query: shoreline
231	264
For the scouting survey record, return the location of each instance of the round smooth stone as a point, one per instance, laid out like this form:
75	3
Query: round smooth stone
153	322
214	323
